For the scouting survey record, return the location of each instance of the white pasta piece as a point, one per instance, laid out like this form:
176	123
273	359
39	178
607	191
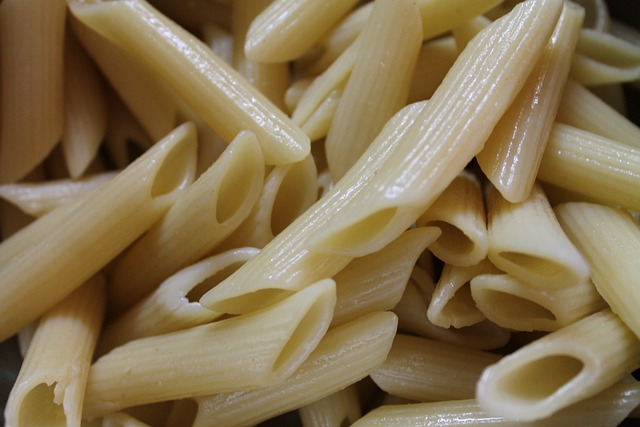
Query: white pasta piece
208	211
31	84
459	212
39	198
268	344
588	164
173	305
511	156
539	254
387	53
51	383
610	241
434	62
422	370
217	93
334	410
345	355
451	304
288	28
516	305
608	409
377	281
602	58
559	369
65	244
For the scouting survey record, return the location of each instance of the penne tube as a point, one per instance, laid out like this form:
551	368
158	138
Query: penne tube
318	125
384	191
539	254
591	165
511	156
39	198
31	84
421	370
335	410
377	281
208	211
451	304
468	30
85	109
215	92
295	91
286	29
52	379
173	305
327	370
460	214
515	305
608	408
269	344
559	369
582	109
65	244
434	62
388	49
610	241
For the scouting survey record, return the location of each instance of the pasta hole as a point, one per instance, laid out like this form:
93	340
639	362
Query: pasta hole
541	378
232	194
540	266
462	302
209	283
176	171
512	306
292	198
39	409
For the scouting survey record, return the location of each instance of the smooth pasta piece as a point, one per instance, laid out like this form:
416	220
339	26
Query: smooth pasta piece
208	211
65	244
460	214
217	93
51	383
610	241
608	409
387	53
268	344
423	370
332	411
173	305
377	281
328	369
288	28
31	84
559	369
451	304
511	156
539	253
515	305
588	164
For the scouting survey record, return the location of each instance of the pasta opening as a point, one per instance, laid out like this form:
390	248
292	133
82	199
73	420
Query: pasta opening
540	379
452	240
250	302
38	408
234	188
509	306
290	199
210	282
176	171
460	304
542	267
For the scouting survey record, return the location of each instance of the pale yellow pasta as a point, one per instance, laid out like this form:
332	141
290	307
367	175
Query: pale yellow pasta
388	48
328	369
596	15
121	419
515	305
269	344
421	369
219	40
334	410
559	369
287	28
51	383
31	84
173	305
459	213
511	156
208	211
213	90
434	61
610	241
318	124
195	14
539	253
115	216
451	304
376	281
467	31
588	164
295	91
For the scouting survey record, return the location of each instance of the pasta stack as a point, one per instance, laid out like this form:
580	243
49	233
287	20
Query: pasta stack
374	213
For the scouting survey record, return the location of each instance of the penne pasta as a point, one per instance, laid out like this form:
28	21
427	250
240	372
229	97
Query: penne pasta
334	410
434	61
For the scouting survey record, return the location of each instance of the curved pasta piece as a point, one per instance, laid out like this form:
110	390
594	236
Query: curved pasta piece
434	62
269	344
64	244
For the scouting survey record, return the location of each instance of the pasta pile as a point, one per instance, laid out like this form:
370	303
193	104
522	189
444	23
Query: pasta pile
367	213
